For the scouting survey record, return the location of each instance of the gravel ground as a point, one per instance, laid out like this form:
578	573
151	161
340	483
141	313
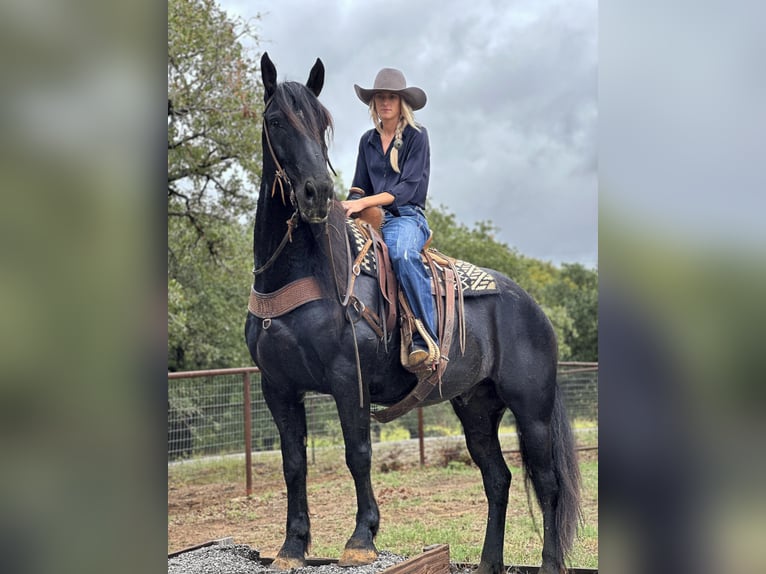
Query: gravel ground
241	559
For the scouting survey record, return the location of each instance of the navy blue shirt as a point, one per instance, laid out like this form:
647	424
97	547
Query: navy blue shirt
374	173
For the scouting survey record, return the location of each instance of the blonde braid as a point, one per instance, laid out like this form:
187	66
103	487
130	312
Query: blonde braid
397	144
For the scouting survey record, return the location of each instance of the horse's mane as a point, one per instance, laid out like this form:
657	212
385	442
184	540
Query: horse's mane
304	112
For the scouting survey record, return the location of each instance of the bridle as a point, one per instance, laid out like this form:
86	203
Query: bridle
281	178
280	175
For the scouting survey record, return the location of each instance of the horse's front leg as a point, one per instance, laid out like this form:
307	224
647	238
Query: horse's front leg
355	421
290	417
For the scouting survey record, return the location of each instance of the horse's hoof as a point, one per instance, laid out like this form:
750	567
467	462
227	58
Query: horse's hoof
357	557
284	564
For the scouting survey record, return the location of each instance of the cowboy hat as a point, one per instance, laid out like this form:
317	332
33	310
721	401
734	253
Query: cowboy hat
392	80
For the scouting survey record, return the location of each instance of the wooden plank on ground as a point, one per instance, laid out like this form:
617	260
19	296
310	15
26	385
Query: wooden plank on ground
434	560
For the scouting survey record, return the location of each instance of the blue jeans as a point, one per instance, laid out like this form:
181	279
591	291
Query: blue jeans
405	237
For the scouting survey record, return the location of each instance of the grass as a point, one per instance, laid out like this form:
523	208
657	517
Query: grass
223	469
439	503
454	519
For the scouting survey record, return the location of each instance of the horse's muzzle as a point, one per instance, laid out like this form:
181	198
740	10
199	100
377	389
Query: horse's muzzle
314	219
314	200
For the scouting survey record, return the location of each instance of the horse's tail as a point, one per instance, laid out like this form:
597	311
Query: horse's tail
566	470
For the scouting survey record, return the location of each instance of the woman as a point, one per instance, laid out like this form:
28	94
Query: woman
392	171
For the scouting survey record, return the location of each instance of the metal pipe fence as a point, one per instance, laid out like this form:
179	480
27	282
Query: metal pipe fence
207	414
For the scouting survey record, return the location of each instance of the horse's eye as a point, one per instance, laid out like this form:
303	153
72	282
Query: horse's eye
273	123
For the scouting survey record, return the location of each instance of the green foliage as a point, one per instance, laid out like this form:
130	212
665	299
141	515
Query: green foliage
563	325
177	311
394	433
207	297
576	291
442	430
214	161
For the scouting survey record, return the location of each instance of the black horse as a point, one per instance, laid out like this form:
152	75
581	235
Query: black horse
509	361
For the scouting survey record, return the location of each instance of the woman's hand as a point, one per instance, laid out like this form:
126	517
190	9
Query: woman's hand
353	206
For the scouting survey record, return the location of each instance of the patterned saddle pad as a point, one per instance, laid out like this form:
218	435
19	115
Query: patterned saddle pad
475	281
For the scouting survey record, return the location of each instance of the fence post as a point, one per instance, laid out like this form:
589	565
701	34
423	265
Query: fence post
248	435
420	437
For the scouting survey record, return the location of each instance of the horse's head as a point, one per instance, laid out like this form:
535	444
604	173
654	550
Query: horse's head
295	128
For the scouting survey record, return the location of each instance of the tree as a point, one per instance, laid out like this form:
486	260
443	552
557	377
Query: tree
563	325
214	159
213	105
576	290
207	297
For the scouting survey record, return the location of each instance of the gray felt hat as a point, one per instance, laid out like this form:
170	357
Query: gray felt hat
392	80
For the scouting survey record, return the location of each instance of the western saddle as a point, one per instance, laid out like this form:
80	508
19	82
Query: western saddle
446	287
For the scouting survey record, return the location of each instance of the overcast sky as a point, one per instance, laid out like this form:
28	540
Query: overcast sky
512	101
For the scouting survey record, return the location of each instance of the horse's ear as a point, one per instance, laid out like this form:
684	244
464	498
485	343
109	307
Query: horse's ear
316	78
269	76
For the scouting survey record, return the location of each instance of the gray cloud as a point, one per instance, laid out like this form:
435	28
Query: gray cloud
512	107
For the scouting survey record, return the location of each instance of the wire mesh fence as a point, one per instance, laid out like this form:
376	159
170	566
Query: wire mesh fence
206	413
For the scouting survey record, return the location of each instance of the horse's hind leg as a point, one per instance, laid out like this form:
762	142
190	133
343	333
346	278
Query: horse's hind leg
355	422
481	415
290	417
550	460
